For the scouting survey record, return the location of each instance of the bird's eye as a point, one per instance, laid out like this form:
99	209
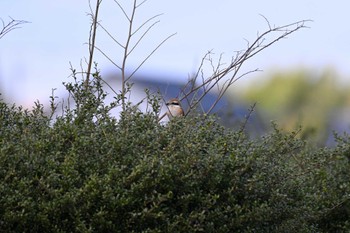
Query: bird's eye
175	103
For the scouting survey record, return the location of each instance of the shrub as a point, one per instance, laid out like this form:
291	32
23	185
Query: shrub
85	171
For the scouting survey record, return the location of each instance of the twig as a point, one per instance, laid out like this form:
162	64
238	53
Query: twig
92	39
247	117
150	54
12	25
219	73
128	47
111	36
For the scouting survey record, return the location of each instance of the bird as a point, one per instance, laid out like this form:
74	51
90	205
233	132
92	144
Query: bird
174	108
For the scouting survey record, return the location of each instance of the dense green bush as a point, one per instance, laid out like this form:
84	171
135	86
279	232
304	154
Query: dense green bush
88	172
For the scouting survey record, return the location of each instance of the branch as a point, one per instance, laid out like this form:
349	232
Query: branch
141	26
12	25
111	36
106	56
150	54
122	9
92	39
219	73
128	47
143	35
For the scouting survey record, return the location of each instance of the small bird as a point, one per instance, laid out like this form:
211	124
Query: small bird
174	108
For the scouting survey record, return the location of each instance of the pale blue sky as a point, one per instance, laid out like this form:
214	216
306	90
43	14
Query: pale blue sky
36	57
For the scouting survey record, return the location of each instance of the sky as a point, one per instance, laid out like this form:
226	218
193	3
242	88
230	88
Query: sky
37	57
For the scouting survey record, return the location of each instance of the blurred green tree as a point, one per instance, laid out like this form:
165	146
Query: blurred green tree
303	98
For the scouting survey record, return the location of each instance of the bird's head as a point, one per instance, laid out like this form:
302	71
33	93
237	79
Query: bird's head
174	107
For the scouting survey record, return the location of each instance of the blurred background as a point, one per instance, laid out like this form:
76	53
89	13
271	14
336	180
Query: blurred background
304	79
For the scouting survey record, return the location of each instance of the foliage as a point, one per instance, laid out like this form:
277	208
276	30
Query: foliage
85	171
302	98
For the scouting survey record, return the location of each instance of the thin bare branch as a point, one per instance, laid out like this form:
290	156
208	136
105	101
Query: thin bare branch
12	25
143	35
246	119
267	21
142	25
110	87
111	36
137	6
126	48
106	56
225	88
150	54
122	9
92	39
192	80
219	73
